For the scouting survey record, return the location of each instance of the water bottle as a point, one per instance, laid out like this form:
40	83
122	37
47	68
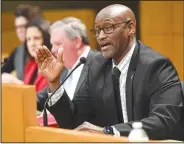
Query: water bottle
137	134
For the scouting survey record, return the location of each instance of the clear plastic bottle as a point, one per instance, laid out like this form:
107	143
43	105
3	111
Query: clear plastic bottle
138	134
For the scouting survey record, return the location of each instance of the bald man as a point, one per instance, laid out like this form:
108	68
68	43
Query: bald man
128	81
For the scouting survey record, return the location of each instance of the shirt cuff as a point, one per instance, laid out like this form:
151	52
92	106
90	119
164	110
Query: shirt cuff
116	132
57	95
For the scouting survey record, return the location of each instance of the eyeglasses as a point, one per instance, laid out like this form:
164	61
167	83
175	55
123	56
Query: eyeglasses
21	26
107	29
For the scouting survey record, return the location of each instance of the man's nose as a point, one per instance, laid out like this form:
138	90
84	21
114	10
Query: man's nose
54	50
102	34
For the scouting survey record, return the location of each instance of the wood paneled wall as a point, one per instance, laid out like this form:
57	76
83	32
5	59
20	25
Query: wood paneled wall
161	27
10	40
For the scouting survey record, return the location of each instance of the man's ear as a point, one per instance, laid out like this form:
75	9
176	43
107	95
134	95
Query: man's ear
78	41
131	28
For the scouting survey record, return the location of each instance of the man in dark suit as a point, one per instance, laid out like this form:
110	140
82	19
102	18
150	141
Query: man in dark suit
127	82
58	39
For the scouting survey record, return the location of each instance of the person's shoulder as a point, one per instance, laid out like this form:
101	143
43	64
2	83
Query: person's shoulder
98	60
92	53
98	64
148	55
19	48
95	56
149	58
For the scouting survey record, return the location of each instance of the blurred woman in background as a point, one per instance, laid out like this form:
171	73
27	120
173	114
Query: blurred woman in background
35	36
24	14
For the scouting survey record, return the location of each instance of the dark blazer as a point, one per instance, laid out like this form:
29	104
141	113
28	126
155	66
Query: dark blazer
16	62
153	96
43	95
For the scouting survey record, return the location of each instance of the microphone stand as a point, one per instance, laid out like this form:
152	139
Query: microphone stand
45	119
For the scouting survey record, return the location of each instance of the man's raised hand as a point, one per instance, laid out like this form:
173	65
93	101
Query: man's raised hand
49	66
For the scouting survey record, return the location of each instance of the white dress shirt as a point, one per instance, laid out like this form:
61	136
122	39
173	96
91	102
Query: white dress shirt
123	67
71	83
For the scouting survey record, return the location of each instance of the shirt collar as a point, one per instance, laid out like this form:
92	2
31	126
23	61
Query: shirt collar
126	59
84	54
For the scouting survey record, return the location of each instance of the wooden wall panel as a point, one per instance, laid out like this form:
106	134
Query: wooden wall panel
161	27
10	40
86	15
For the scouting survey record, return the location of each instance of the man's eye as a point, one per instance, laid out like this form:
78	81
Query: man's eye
97	30
108	27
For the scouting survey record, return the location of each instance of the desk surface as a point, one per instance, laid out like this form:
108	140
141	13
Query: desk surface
47	134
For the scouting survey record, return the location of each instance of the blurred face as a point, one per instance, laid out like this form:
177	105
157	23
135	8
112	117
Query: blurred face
115	40
20	25
34	39
60	40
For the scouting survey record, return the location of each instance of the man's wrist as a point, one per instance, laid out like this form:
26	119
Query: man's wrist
111	130
108	130
54	85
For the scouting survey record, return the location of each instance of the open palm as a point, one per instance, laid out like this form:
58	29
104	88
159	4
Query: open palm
49	66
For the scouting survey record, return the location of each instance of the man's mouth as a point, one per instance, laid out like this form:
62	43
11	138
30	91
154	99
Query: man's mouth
104	46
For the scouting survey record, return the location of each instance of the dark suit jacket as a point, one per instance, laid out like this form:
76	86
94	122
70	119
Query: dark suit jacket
153	96
16	62
43	95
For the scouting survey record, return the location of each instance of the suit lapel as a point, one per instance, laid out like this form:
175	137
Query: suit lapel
82	77
129	82
19	61
84	71
64	74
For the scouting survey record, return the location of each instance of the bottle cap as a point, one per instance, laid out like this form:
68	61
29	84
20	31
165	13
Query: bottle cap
137	125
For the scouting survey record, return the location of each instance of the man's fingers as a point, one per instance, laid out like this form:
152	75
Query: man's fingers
47	52
86	126
82	129
39	52
37	58
89	130
78	128
60	55
40	56
83	126
44	65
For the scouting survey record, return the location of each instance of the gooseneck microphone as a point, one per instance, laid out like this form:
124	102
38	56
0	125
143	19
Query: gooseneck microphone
45	119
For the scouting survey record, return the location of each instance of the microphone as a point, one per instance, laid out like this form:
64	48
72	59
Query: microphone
45	119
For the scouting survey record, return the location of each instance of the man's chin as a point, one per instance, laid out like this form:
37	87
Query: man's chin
67	66
105	55
21	38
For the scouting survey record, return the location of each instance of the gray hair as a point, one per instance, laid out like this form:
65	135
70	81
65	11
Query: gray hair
73	27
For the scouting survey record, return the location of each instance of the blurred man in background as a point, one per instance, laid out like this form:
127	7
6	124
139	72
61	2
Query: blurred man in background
70	34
